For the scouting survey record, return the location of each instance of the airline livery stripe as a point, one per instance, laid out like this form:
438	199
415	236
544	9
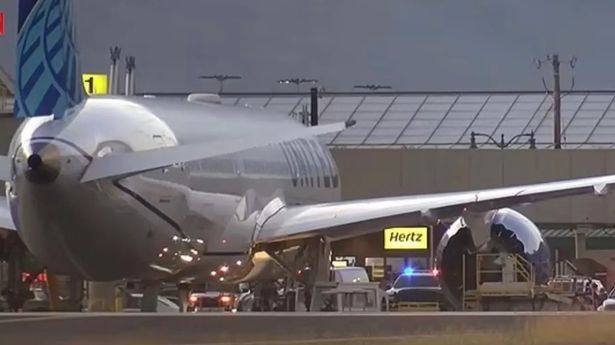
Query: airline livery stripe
33	79
302	164
38	18
322	164
50	98
55	24
291	165
306	165
310	161
313	158
31	49
55	49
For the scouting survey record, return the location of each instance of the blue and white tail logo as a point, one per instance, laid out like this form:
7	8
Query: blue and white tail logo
48	71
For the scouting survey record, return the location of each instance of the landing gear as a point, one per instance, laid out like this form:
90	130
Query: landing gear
265	296
305	263
319	251
183	294
151	290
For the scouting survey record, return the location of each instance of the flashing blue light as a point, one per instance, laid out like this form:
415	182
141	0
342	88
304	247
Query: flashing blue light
408	271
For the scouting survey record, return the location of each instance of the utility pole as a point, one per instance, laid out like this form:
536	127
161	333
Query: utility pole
557	104
556	93
314	106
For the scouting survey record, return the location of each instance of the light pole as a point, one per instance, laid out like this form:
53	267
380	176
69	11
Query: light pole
372	87
297	81
502	144
221	78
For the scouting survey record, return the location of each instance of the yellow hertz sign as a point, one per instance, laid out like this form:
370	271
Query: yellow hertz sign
406	238
95	84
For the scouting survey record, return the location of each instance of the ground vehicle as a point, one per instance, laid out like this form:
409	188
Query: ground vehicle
211	301
134	300
349	275
417	288
282	299
609	303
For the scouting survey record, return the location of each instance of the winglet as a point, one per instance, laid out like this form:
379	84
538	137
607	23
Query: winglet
601	189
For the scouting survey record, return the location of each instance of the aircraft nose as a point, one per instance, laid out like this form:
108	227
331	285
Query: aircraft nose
43	164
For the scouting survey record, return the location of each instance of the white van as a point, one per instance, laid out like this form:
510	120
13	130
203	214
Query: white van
349	275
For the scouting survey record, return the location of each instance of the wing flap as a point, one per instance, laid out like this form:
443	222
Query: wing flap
6	221
353	218
136	162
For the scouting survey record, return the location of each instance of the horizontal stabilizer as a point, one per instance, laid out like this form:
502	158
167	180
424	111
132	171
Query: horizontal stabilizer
141	161
5	168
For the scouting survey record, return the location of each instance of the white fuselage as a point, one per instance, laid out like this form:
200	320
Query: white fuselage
177	222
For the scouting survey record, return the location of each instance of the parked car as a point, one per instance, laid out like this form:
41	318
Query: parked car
609	303
349	275
211	301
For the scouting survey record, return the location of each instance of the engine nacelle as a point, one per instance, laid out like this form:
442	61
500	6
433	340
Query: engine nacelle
497	231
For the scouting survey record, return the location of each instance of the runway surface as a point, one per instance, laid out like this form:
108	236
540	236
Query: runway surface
263	328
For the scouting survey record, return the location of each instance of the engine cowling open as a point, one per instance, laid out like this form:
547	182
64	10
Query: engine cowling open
497	231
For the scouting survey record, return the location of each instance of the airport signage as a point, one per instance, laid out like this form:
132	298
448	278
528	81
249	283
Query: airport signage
339	263
95	84
408	238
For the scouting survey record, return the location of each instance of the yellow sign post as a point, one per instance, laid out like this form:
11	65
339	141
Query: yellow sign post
95	84
406	238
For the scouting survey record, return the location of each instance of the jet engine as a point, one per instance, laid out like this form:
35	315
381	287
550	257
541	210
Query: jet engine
497	231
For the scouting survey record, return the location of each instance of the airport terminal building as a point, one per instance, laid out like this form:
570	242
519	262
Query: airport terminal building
415	143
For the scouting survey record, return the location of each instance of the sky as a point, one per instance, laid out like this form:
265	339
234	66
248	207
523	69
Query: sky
411	45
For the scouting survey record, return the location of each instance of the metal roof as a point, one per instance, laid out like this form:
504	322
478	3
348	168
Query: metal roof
446	119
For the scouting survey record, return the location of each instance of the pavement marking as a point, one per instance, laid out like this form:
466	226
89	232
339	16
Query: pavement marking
333	340
28	319
322	314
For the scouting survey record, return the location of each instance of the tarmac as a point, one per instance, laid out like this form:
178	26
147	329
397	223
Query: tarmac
272	328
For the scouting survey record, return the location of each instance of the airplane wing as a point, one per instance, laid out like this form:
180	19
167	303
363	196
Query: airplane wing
136	162
6	221
353	218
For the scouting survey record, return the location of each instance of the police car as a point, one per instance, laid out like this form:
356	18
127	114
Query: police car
418	289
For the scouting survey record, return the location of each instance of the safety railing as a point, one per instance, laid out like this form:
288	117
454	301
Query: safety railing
504	275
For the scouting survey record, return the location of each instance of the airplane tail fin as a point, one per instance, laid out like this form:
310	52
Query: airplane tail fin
48	79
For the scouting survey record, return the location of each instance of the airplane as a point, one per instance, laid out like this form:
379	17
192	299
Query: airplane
150	189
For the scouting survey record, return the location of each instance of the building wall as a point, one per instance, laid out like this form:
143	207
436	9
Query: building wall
369	173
